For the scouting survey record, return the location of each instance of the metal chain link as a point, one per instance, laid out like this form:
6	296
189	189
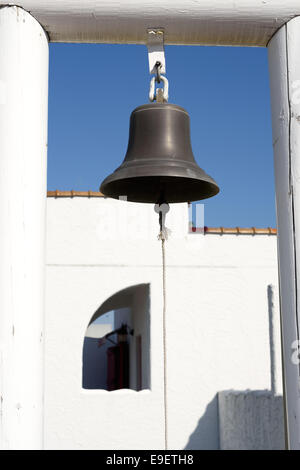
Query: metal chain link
157	79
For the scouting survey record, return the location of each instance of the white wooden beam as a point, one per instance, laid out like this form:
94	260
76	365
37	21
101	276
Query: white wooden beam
284	63
220	22
23	149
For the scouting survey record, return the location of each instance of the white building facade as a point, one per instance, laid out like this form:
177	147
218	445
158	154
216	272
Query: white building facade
222	326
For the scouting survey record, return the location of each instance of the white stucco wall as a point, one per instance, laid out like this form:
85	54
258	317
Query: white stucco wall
217	323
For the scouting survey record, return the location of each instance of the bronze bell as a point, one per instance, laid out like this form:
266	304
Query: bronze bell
159	165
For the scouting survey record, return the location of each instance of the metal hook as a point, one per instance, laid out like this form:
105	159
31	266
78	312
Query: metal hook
158	67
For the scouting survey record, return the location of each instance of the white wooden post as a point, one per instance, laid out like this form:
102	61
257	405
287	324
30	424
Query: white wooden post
214	22
23	148
284	63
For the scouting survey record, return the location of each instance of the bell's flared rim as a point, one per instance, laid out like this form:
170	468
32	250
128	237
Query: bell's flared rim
185	184
153	190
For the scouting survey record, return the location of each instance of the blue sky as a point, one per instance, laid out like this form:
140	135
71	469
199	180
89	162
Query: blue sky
94	88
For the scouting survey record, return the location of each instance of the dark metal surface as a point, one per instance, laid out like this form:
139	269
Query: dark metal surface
159	165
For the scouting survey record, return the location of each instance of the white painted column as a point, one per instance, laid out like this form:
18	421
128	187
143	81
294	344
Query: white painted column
23	150
284	63
275	341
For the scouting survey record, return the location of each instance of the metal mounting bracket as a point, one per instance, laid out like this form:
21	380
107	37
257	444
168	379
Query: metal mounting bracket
156	52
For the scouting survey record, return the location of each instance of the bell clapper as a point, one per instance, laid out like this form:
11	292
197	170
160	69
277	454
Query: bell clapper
162	209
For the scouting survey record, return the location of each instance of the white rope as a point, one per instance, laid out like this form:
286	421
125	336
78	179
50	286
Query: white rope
163	248
163	236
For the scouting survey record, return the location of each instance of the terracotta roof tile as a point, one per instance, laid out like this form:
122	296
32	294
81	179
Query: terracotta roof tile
58	193
235	230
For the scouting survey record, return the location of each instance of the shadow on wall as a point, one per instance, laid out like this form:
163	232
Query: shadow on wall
240	420
251	420
247	419
206	433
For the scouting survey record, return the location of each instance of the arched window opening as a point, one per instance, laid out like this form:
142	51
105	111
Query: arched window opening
116	350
